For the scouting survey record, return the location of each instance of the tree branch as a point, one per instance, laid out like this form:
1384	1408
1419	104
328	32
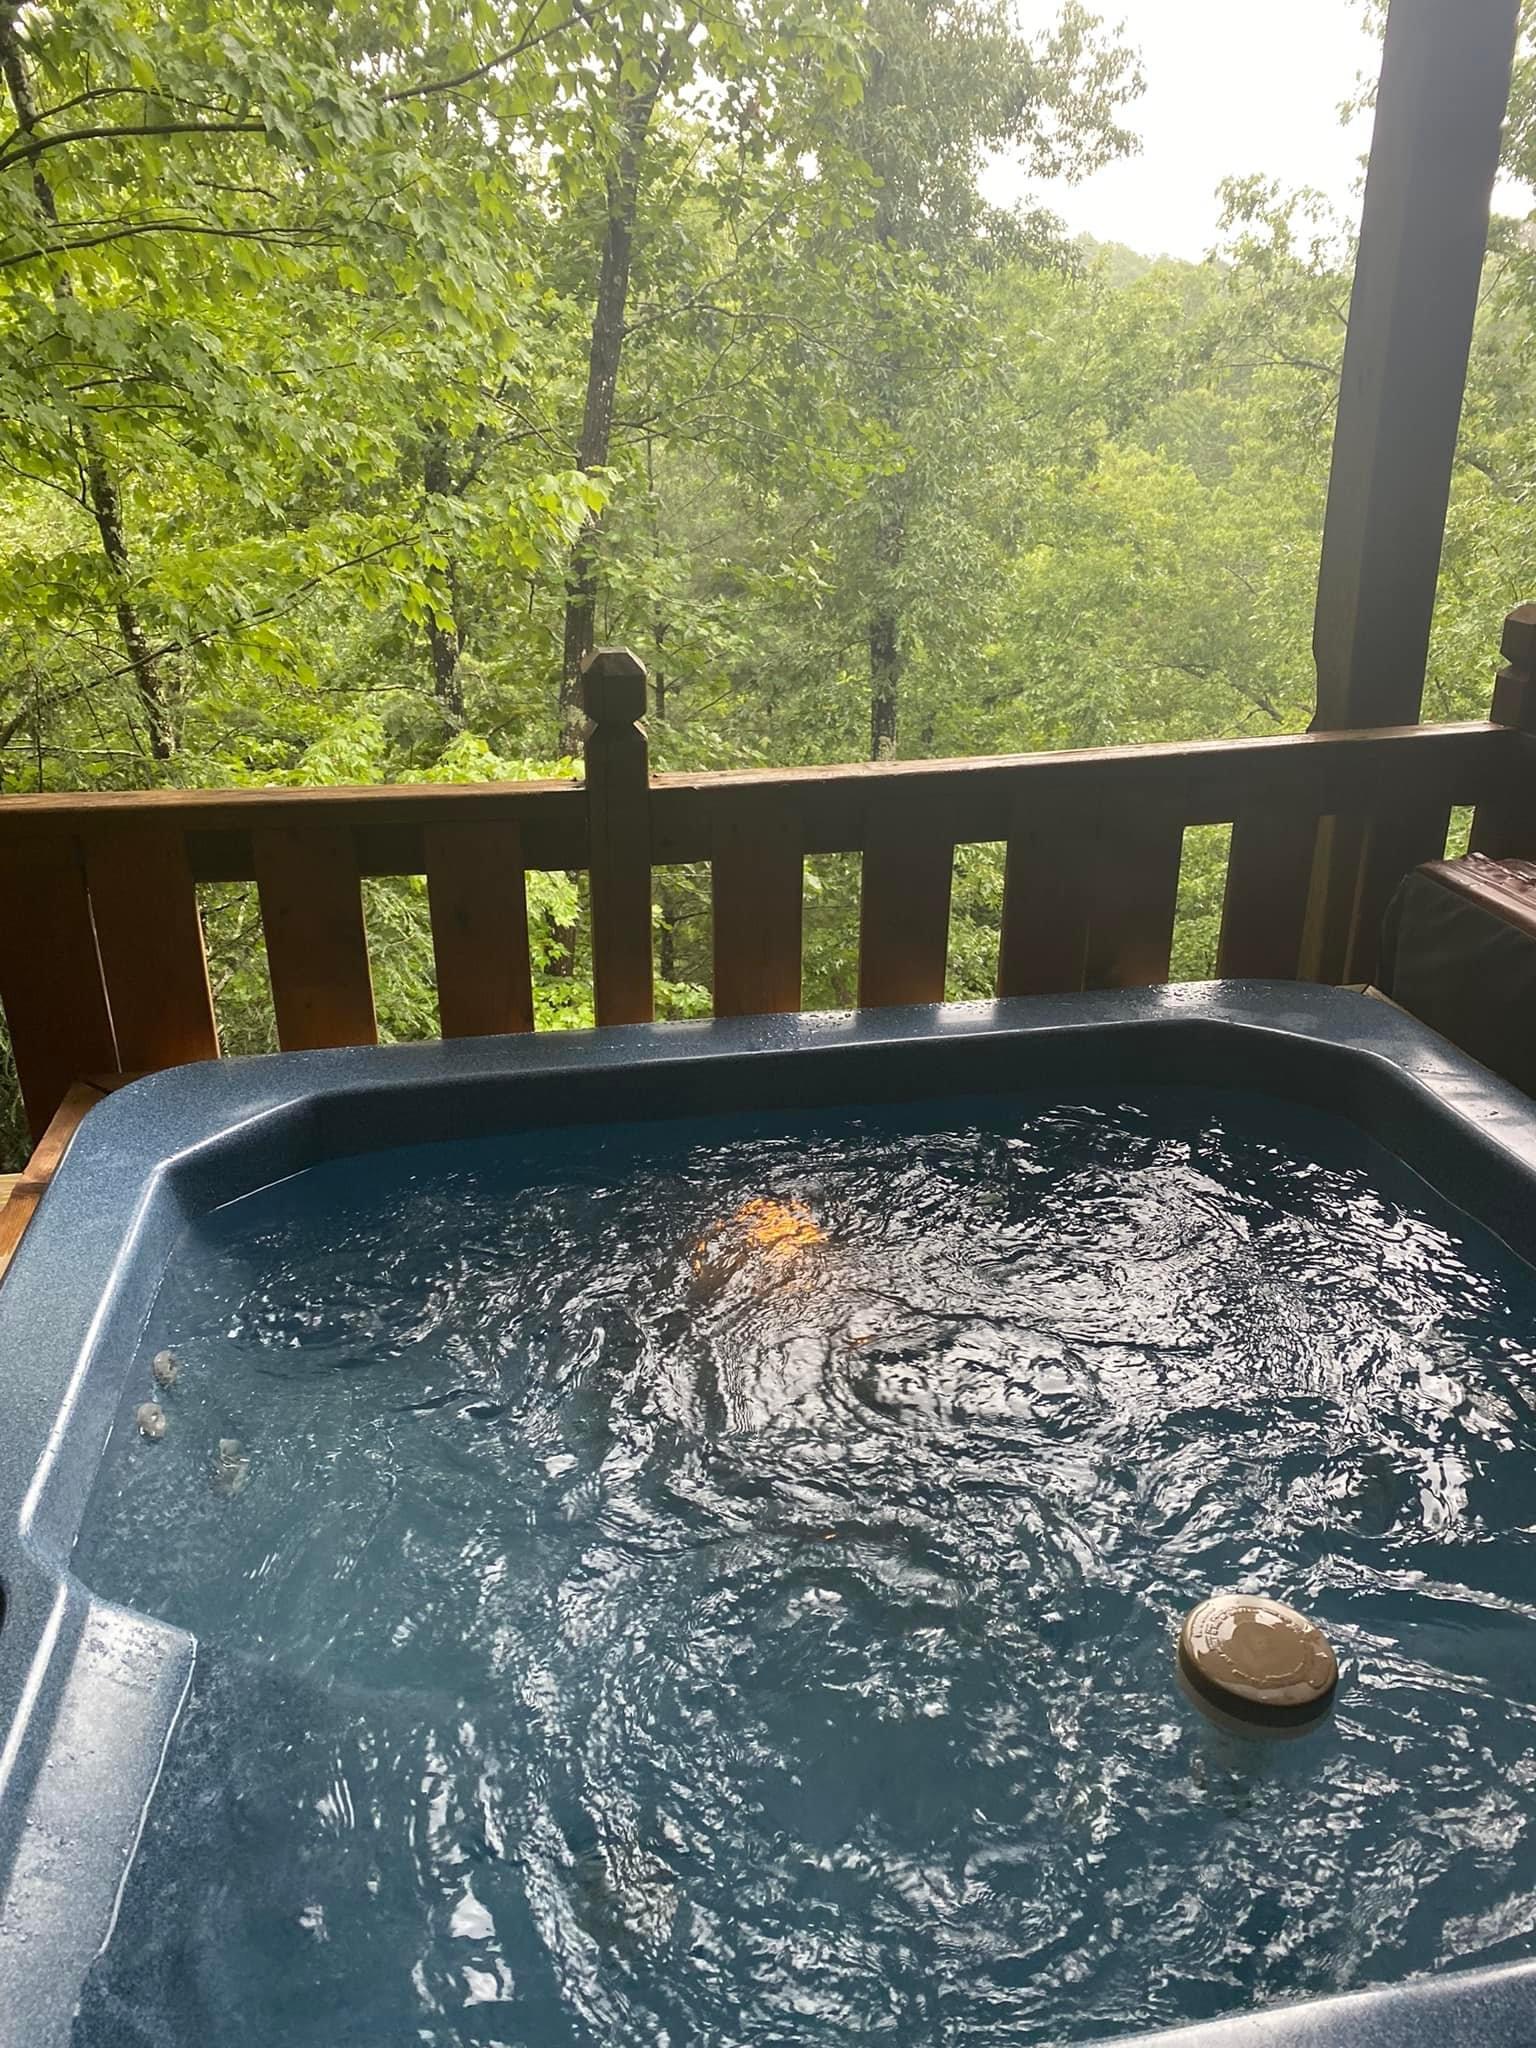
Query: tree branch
35	145
294	237
580	11
264	614
81	99
41	702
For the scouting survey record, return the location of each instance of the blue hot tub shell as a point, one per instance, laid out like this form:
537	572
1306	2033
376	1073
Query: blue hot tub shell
90	1692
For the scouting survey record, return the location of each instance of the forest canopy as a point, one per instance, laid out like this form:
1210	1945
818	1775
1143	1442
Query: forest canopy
362	367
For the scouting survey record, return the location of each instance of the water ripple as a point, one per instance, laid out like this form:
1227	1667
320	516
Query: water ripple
715	1584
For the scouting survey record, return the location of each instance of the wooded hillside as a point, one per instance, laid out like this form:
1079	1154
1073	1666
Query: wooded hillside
354	382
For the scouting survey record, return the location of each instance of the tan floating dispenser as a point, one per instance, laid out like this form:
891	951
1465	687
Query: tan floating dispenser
1256	1664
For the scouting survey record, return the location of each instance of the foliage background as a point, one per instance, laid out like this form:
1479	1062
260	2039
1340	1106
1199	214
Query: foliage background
354	366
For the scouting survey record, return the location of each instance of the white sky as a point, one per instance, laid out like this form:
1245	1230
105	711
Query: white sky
1234	87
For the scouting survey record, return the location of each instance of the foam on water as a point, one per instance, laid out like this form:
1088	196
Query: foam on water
626	1629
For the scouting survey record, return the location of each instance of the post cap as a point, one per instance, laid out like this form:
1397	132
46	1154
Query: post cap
1519	642
613	686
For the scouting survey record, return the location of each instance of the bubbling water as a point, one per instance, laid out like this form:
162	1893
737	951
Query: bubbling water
717	1583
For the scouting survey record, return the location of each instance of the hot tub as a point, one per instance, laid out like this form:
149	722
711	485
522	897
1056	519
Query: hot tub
678	1534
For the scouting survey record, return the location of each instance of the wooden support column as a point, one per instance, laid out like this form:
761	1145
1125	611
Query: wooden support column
1423	239
619	825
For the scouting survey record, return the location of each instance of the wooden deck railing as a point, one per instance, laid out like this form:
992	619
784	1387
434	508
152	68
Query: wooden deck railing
102	964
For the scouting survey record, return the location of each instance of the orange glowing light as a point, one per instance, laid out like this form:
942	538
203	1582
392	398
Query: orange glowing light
778	1230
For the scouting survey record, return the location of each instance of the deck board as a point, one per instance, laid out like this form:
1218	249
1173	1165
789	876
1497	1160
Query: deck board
21	1192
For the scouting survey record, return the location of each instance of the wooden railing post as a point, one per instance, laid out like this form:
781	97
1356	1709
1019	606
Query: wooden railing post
757	891
1514	689
1505	825
150	937
51	982
317	943
619	828
904	892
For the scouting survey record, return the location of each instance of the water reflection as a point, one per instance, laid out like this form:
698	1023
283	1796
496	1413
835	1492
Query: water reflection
720	1585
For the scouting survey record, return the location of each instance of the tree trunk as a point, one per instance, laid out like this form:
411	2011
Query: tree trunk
445	647
107	513
100	489
884	684
892	397
669	897
603	357
658	673
886	656
667	902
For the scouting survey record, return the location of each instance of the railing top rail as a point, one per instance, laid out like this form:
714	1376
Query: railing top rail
386	822
1206	783
1471	734
412	803
376	803
103	961
1201	782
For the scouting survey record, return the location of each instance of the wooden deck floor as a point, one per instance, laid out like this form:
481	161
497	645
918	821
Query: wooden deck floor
21	1192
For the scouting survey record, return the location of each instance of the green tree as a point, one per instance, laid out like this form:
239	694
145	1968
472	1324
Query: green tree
234	254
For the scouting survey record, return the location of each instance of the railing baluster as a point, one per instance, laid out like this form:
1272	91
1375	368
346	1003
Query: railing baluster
1094	841
1343	836
51	982
479	906
1047	891
1398	841
1269	879
1135	898
619	829
757	881
904	896
150	935
1362	855
317	946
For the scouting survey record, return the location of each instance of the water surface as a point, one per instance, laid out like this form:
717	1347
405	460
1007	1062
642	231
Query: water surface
715	1583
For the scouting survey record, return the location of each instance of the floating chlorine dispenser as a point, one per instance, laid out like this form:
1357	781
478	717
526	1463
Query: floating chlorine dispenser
1256	1664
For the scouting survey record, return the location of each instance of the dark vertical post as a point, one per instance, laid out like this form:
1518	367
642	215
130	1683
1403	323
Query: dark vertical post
619	828
1423	238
